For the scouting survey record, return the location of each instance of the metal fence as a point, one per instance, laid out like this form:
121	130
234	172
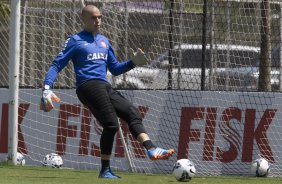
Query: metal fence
171	32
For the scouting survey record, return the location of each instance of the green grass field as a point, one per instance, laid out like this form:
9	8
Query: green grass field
40	175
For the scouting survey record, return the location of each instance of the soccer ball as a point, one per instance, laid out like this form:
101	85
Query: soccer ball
260	167
184	170
20	159
52	160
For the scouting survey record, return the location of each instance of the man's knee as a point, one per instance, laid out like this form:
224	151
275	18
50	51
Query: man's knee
110	129
133	113
109	122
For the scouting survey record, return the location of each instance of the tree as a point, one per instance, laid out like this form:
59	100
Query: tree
4	9
265	57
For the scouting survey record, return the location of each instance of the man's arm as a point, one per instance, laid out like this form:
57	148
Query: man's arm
116	67
136	59
58	64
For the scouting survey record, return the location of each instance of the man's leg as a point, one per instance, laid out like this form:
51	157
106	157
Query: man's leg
94	94
132	116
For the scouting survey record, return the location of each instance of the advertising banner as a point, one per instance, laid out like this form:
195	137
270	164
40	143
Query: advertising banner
222	132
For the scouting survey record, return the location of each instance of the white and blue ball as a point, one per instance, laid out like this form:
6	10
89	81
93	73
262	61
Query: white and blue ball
184	170
20	159
260	167
52	160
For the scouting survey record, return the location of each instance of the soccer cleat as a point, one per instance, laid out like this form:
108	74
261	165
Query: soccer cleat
159	153
107	173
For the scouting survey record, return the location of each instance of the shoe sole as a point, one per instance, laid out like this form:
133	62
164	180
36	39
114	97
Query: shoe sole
113	177
163	157
109	178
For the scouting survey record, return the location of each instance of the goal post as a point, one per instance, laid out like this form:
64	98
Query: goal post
222	128
14	64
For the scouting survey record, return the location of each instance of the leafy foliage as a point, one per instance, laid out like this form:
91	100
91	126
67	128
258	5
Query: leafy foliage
5	9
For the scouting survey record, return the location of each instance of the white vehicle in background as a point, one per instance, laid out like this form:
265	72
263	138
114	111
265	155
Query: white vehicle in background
222	59
155	78
251	73
235	68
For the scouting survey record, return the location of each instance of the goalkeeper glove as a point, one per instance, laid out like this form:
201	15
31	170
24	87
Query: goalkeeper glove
139	58
48	96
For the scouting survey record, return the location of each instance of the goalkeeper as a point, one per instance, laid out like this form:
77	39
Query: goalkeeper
92	55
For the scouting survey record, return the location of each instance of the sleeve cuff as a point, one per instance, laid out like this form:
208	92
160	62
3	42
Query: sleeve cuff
131	64
46	87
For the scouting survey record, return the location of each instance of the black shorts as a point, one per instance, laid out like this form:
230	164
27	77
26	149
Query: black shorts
106	104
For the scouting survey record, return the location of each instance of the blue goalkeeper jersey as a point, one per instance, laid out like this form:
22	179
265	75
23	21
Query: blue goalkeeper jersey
91	57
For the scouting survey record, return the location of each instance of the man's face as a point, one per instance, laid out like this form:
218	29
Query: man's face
92	20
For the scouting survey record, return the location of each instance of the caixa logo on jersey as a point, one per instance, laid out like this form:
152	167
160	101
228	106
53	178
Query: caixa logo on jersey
97	56
226	135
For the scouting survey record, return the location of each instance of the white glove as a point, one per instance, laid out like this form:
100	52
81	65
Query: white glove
48	96
139	58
